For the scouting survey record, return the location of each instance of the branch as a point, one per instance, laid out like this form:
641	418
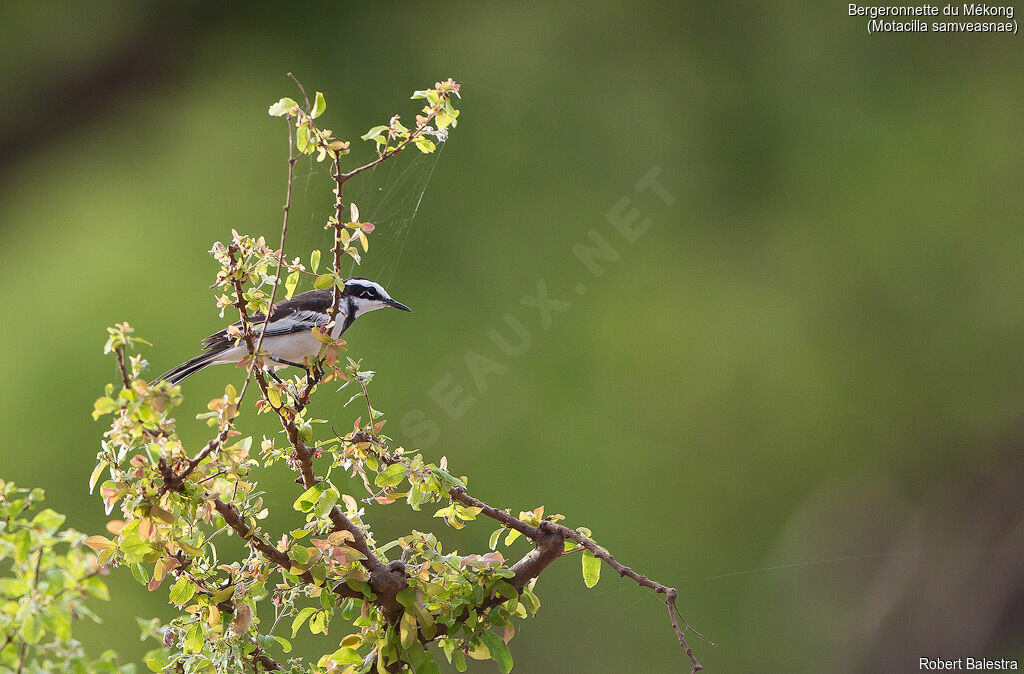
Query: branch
337	251
280	251
340	178
501	516
210	447
549	538
390	153
119	352
304	457
260	657
176	480
386	580
549	544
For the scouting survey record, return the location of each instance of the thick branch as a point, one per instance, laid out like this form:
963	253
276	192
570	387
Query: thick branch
387	580
234	519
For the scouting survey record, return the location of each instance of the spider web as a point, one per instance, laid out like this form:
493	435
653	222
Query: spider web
388	195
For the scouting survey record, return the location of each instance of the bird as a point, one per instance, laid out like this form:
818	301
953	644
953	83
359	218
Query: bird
289	335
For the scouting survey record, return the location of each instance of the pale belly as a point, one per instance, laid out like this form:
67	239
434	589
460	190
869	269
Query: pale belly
293	348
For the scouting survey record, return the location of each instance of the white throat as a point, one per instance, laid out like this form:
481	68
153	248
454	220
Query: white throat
363	306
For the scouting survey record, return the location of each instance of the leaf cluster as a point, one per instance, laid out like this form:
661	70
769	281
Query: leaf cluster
48	580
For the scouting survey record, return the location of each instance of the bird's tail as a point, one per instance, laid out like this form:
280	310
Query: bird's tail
189	367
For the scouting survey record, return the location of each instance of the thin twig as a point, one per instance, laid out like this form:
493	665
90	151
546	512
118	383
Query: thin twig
301	88
34	585
119	352
369	408
392	152
337	250
284	233
533	563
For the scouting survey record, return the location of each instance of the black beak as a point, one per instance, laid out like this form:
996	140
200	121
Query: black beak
398	305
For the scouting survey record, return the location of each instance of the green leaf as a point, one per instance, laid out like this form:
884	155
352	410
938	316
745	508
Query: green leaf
32	628
374	132
591	569
309	498
299	554
96	472
300	618
390	476
499	651
303	142
290	283
319	572
448	478
319	105
492	543
506	590
408	629
134	548
48	519
314	260
224	594
104	406
427	626
140	573
194	639
281	108
97	588
346	656
530	601
13	588
286	645
182	591
323	281
425	145
318	623
326	501
406	597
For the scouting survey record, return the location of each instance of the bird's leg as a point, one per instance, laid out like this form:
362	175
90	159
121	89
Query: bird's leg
276	378
289	362
282	361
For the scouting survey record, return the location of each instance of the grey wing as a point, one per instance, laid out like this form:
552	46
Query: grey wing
302	312
297	321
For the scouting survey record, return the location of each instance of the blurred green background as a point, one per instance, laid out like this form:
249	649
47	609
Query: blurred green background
797	396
